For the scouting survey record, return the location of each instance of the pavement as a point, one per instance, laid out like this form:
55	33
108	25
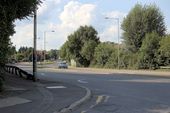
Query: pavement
25	96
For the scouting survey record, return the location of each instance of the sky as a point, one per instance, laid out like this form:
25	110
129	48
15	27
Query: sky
66	16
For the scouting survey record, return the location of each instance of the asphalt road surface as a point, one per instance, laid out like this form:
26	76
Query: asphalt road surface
118	93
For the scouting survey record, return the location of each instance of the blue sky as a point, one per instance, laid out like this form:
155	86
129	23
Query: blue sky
65	16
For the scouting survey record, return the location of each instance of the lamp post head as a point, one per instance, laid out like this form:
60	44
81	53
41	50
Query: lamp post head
106	18
111	18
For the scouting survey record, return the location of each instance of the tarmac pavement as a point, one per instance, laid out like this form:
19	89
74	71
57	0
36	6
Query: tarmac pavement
25	96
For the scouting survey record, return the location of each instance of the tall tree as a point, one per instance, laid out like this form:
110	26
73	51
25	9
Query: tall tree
140	21
81	45
164	50
149	51
102	54
10	10
53	54
64	52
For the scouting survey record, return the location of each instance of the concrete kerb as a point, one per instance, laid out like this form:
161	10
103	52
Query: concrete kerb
74	105
132	72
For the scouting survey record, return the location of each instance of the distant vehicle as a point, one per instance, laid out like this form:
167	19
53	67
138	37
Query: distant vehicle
62	65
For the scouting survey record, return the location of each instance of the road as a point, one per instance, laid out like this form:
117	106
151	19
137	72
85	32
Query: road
118	93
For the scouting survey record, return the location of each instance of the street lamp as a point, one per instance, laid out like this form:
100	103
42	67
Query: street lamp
41	53
117	19
35	46
45	43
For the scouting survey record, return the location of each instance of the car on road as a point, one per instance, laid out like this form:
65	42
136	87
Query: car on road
62	65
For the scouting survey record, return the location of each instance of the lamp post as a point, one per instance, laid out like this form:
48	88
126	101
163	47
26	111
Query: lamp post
35	46
117	19
45	43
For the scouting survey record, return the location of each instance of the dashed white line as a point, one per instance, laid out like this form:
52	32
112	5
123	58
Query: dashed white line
55	87
82	81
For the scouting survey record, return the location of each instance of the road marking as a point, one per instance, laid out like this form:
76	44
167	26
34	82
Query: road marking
99	99
83	111
106	98
42	73
56	87
82	81
92	106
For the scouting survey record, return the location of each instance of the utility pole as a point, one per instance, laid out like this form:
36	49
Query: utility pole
45	44
35	46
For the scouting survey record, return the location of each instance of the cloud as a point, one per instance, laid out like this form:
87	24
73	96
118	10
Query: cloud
115	14
47	5
24	36
76	14
42	8
72	15
168	30
109	34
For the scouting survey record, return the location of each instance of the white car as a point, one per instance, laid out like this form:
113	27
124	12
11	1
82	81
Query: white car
62	65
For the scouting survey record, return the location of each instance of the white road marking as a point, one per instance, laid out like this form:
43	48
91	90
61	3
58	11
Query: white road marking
83	111
100	99
42	73
56	87
82	81
92	106
106	98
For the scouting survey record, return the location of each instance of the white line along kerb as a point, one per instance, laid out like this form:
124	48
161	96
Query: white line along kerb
56	87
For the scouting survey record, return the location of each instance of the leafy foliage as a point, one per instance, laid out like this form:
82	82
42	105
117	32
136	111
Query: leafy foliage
140	21
53	54
164	50
149	51
10	10
104	53
24	54
80	45
64	52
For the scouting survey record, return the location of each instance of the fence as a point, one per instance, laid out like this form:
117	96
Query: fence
17	71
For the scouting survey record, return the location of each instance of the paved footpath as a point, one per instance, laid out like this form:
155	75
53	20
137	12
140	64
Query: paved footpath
25	96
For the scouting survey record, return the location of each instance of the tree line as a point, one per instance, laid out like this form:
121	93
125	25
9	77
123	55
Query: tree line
145	43
24	54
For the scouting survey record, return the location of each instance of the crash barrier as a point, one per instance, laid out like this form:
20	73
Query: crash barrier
1	73
17	71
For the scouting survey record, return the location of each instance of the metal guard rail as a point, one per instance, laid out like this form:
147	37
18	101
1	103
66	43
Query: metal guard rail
17	71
